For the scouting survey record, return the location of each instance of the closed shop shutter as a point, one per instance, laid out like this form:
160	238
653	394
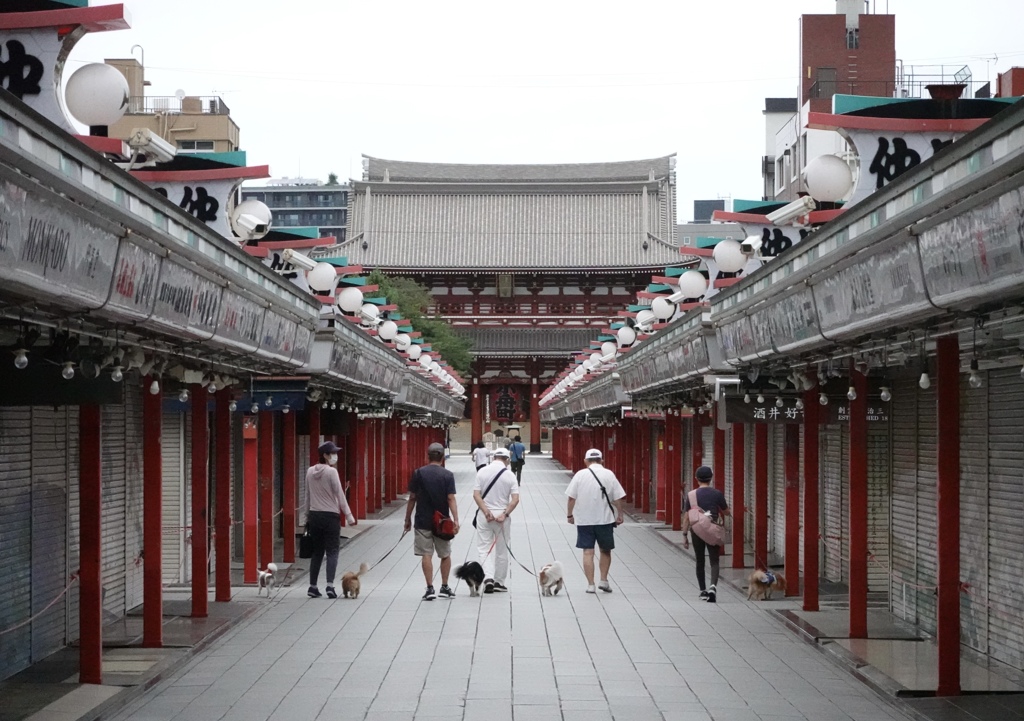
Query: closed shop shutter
927	443
903	409
49	528
74	522
748	491
777	489
114	506
708	444
833	507
1006	516
803	491
687	455
174	518
302	463
134	450
726	485
879	489
276	525
974	493
15	537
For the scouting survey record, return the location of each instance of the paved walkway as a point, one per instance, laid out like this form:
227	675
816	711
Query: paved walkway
649	650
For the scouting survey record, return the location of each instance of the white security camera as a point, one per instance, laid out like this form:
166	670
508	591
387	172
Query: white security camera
155	148
791	211
252	224
299	260
752	245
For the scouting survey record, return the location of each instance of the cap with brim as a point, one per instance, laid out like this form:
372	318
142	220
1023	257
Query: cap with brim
501	453
328	447
593	455
435	448
704	473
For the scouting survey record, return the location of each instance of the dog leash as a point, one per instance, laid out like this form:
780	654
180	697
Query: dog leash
509	548
389	552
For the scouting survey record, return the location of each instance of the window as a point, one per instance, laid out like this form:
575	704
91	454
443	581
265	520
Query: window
780	174
687	241
196	146
825	83
852	38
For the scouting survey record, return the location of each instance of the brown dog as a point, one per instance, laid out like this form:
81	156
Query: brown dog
350	582
760	585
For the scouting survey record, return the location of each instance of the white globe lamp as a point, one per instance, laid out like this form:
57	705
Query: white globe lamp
646	318
403	341
426	360
828	178
692	284
350	299
368	313
608	348
626	336
97	95
322	277
387	330
595	358
663	308
414	352
588	365
728	256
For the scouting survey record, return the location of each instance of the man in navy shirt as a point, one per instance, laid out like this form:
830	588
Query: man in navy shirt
432	488
517	451
711	500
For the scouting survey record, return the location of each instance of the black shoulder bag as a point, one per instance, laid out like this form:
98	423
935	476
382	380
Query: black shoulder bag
604	493
484	494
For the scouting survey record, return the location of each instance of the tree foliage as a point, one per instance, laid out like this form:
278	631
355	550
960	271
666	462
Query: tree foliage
332	178
413	301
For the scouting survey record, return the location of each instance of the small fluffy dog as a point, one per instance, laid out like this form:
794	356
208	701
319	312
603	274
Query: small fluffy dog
350	581
760	585
550	578
473	574
266	579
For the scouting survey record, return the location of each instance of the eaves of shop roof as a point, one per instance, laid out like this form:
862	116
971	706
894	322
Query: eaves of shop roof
505	341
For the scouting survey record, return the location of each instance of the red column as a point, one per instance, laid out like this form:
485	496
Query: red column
200	502
152	513
662	510
314	434
858	510
792	550
811	510
739	480
90	518
222	513
948	516
673	441
645	465
357	468
629	465
389	460
760	495
696	446
719	452
405	459
535	417
476	412
250	492
289	497
266	492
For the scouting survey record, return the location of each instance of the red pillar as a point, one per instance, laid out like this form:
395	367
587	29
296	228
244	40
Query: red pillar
948	518
792	550
90	517
357	468
858	510
646	481
696	446
406	458
719	463
266	488
811	509
739	480
152	513
662	510
250	503
760	495
314	435
200	502
673	441
289	497
535	417
476	412
222	517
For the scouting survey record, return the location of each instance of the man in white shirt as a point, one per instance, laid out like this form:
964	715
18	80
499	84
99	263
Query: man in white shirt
595	507
496	494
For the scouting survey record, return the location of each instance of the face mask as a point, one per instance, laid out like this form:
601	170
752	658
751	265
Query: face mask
332	459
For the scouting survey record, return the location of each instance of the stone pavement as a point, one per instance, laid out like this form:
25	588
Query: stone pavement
649	650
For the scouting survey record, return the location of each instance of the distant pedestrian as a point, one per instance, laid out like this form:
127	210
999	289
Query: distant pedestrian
496	494
432	488
322	510
595	507
481	456
517	451
710	500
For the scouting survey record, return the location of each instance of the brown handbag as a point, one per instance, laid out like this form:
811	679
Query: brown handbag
709	530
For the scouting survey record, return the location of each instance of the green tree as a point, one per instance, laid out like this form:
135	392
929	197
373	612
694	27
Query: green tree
332	178
413	301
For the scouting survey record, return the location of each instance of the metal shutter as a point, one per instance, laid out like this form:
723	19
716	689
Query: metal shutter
15	537
74	522
803	493
278	519
708	444
927	449
49	528
727	484
301	464
1006	516
974	494
175	498
879	490
903	503
777	489
114	505
133	568
833	507
748	491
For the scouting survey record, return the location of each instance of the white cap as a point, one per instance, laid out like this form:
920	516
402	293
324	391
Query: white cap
501	453
593	455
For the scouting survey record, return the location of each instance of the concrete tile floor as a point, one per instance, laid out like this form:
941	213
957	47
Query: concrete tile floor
649	650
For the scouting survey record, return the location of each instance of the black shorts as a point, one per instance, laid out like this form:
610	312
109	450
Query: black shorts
603	536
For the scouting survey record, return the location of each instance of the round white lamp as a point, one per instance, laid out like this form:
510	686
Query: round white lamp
692	284
368	313
414	352
97	95
251	220
626	335
387	330
828	178
608	348
322	277
646	318
426	360
663	308
728	255
403	341
595	358
350	299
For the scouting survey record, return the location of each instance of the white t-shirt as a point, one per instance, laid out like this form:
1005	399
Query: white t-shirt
498	497
481	456
591	508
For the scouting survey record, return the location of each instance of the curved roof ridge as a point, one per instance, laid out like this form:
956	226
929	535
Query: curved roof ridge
381	169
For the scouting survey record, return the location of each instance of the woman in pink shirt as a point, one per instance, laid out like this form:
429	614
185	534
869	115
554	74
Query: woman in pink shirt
325	504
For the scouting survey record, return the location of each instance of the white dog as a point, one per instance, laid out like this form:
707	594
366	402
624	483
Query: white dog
550	578
265	579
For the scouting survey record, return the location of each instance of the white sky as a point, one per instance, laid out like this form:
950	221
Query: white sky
313	84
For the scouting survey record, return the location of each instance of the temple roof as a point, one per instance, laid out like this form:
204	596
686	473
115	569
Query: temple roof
511	341
381	170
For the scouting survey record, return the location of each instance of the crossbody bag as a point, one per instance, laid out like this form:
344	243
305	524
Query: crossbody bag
604	493
486	491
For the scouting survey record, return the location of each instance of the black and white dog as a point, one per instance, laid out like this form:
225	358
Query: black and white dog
473	574
266	579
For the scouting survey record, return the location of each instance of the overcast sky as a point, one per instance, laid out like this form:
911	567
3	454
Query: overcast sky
314	84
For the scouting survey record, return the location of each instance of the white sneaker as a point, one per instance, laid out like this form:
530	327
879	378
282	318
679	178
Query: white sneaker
605	586
591	588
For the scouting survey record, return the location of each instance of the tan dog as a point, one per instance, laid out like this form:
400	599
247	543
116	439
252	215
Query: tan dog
760	585
350	582
550	578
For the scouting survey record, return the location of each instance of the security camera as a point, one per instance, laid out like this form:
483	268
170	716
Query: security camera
299	260
791	211
752	245
252	224
155	148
